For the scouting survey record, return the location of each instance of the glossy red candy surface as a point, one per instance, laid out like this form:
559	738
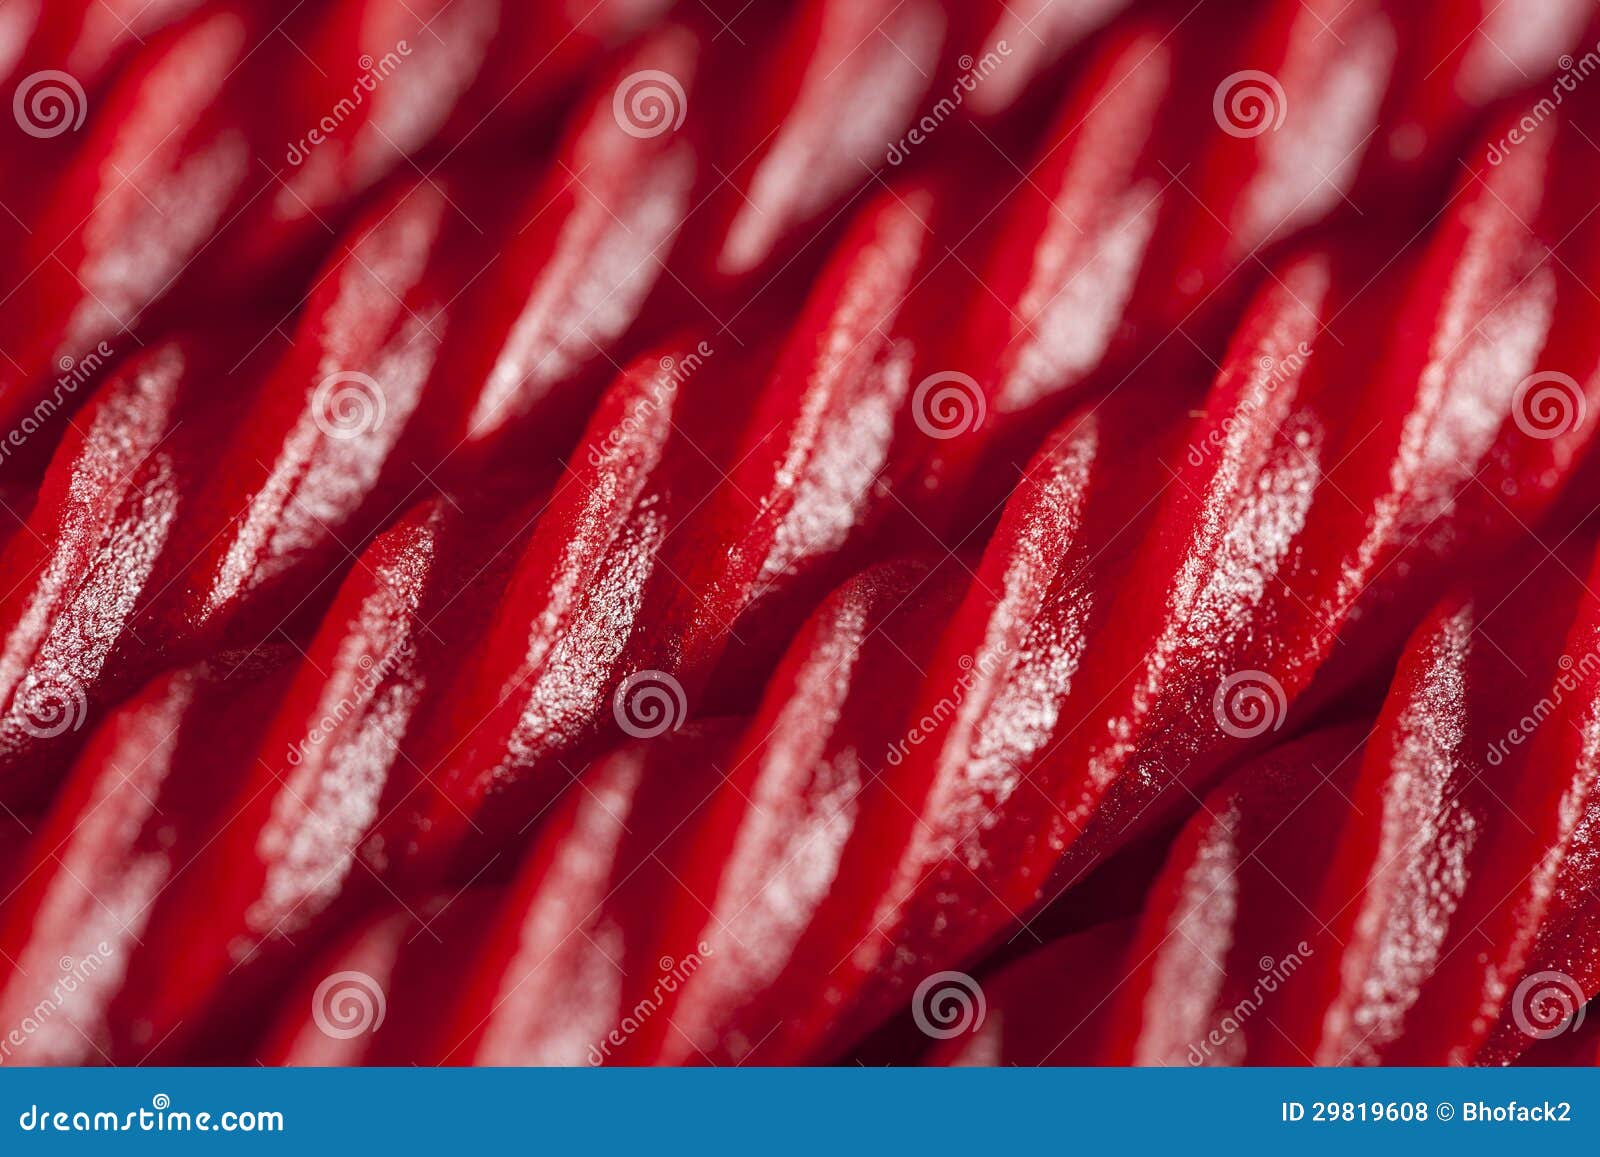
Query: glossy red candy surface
674	532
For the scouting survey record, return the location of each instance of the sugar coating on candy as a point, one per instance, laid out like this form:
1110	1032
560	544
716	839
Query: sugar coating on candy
584	565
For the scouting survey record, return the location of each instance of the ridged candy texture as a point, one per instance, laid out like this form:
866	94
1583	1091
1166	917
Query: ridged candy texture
914	531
